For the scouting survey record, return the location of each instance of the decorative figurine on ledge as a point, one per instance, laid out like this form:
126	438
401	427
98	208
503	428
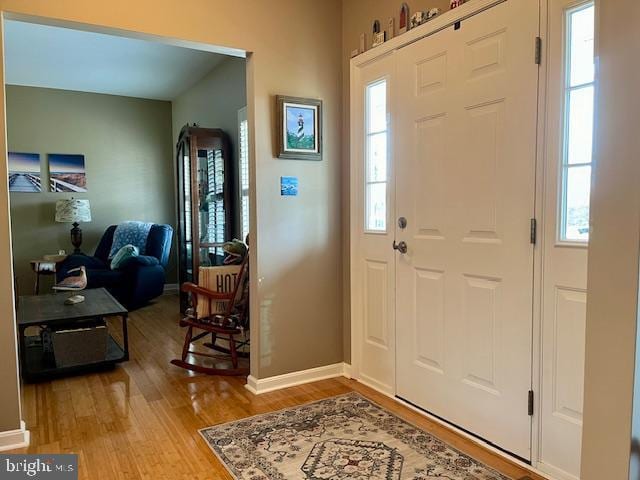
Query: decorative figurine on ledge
434	12
403	25
363	43
417	19
378	37
456	3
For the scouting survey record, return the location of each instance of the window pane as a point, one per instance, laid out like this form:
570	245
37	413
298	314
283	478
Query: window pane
580	140
576	217
376	157
377	152
377	206
578	113
581	25
377	107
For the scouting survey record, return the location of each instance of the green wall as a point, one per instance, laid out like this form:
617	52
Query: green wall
128	148
214	101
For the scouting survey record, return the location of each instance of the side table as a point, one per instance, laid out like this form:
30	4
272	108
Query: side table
44	266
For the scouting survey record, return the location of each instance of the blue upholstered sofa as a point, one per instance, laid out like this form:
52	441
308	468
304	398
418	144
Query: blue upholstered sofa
139	280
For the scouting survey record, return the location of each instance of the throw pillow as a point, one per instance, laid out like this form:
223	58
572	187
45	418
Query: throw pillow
122	255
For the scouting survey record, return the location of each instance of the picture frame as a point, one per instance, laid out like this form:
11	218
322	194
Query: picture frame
299	128
289	186
24	172
67	172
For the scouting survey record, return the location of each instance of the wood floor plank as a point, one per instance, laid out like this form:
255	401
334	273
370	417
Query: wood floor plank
141	420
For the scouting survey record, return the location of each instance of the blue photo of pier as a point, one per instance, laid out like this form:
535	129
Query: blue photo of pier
67	173
24	172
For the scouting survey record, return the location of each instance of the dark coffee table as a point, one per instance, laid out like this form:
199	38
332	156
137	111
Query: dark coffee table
50	310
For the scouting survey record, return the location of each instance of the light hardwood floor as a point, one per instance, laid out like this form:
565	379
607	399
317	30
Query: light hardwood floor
141	420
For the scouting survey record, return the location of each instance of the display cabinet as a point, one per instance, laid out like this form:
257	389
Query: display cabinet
206	200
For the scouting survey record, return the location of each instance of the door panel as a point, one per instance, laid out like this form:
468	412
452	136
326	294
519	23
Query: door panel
430	326
376	291
465	171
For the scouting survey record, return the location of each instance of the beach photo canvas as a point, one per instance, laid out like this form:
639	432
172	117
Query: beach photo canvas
67	173
24	172
299	128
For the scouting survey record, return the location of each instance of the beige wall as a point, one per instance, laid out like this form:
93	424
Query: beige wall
296	45
358	17
128	152
613	248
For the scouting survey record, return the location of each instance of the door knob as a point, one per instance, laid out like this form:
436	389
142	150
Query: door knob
401	247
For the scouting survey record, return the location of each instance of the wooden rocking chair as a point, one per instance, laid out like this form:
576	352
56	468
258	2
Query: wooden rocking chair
228	326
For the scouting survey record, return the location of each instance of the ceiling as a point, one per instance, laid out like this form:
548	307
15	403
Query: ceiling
55	57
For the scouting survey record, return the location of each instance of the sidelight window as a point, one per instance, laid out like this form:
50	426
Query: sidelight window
376	156
578	123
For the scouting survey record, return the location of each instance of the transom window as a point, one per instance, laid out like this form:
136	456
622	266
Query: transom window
578	123
376	153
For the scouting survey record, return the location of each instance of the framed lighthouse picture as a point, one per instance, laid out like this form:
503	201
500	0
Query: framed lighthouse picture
299	128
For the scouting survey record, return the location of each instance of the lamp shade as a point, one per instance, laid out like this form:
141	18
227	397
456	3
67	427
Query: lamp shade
71	211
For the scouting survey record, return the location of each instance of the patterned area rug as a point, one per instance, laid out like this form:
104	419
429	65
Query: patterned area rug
345	437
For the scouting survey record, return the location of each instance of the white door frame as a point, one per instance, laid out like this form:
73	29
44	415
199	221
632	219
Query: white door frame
433	26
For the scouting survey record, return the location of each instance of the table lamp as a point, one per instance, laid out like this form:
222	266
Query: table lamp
74	211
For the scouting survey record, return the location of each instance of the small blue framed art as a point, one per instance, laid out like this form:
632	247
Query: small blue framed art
289	186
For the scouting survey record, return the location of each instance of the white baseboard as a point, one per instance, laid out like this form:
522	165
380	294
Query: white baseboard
258	386
13	439
170	288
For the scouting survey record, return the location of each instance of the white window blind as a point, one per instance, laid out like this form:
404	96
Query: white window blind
243	147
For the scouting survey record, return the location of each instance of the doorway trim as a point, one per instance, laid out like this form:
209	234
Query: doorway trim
7	279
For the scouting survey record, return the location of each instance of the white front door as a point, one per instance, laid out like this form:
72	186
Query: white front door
465	174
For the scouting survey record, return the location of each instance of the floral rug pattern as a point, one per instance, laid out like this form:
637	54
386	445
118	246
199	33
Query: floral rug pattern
339	438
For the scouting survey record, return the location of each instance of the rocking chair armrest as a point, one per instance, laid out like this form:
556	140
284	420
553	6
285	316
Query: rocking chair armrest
195	289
